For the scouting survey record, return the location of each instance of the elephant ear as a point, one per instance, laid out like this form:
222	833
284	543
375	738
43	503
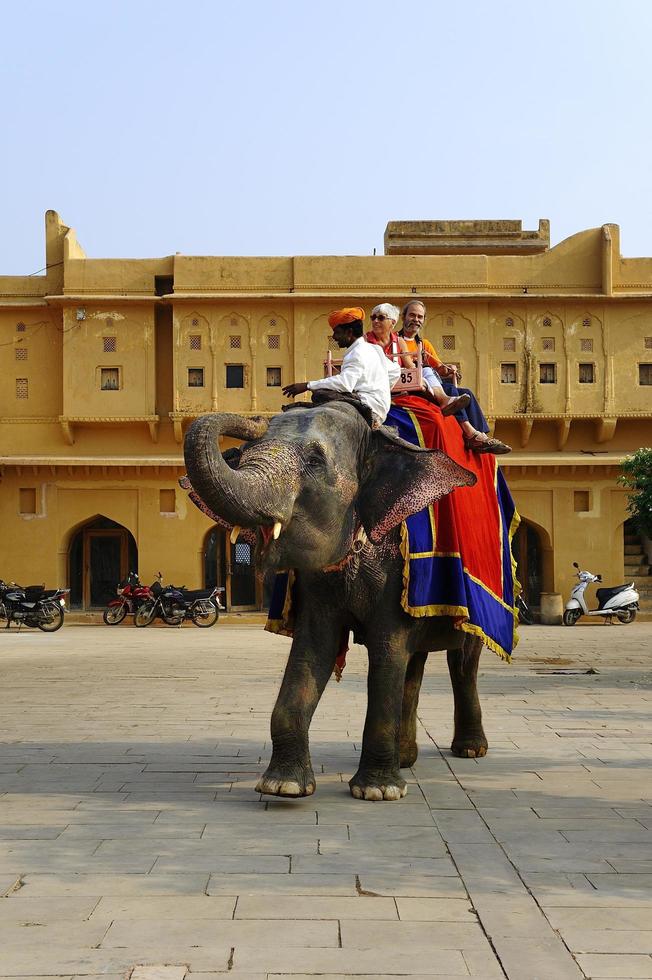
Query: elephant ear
401	479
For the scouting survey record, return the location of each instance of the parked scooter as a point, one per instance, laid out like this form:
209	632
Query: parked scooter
173	605
619	600
32	606
131	594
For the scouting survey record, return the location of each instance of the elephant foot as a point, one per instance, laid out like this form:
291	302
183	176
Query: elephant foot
408	753
375	790
292	784
470	747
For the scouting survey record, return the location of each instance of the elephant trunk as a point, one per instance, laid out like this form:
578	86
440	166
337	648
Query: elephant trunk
260	490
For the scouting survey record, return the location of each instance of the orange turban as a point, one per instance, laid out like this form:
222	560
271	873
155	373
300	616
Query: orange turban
345	316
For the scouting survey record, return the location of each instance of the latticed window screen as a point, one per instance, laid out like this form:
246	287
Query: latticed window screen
273	377
509	322
547	374
648	343
21	353
548	343
645	374
509	343
20	328
110	345
195	341
586	374
235	341
586	322
547	322
22	388
448	341
332	345
242	553
274	341
508	374
586	344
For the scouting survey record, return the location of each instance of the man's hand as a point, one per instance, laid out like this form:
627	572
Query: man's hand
298	388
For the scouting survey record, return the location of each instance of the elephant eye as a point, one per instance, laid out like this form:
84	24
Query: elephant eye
315	457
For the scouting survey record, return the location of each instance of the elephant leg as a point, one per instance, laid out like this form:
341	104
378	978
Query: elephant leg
308	669
378	776
469	739
408	735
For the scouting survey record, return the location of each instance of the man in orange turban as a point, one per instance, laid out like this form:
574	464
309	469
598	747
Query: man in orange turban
366	373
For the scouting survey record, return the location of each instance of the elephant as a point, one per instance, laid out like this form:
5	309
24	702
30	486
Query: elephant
322	493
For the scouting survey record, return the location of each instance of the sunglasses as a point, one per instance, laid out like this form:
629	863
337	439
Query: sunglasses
379	316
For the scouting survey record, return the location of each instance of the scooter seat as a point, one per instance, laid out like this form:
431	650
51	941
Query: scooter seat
604	595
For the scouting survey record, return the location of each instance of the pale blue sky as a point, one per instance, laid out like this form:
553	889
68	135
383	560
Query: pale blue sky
302	128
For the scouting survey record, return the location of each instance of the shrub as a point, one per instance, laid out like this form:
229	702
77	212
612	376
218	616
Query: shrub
637	477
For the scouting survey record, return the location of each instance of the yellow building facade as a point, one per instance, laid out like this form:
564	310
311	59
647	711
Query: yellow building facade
104	362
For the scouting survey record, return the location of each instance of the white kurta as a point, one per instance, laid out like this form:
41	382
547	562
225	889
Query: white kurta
366	372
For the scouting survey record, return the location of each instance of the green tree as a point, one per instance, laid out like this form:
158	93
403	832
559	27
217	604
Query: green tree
637	477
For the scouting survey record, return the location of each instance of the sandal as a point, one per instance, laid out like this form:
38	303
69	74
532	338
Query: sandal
476	444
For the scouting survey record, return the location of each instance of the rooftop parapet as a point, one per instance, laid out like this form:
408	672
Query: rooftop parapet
465	238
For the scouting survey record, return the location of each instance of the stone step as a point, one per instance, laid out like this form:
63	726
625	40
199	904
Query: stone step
636	569
634	549
632	539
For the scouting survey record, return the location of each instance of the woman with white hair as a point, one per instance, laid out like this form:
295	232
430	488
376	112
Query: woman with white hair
384	318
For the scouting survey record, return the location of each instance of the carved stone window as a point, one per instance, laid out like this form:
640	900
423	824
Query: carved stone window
508	374
167	501
449	321
20	328
509	343
581	501
509	322
195	341
333	346
195	377
235	342
448	341
110	379
22	388
586	374
110	344
586	344
274	341
273	377
586	322
547	322
235	375
27	500
645	374
547	343
548	374
21	353
648	343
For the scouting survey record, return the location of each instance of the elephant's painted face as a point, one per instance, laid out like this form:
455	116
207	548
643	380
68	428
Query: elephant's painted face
305	483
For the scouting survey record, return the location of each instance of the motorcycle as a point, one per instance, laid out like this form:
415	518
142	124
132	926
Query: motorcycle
619	600
131	594
33	606
174	605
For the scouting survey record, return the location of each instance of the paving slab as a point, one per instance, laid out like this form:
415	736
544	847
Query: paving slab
132	842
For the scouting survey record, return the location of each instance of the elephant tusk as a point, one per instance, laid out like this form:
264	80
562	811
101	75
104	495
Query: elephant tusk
234	533
278	527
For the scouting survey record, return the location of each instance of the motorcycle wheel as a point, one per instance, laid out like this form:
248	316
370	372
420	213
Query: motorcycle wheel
53	610
145	614
571	616
205	617
626	616
114	614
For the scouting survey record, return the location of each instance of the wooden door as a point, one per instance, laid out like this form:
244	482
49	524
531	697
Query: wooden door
105	559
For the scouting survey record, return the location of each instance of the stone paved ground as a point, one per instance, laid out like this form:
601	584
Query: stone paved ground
130	835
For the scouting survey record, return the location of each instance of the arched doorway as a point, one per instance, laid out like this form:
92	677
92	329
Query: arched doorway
528	549
101	553
230	565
